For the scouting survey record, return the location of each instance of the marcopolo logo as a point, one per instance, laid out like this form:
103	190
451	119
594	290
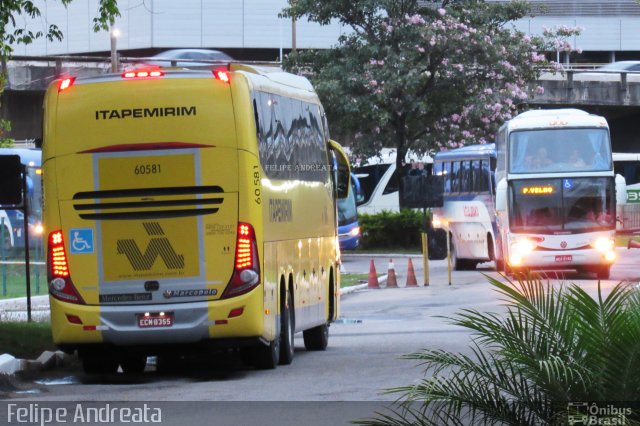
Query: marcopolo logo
158	245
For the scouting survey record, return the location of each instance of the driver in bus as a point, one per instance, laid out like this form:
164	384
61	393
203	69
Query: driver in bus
539	160
576	160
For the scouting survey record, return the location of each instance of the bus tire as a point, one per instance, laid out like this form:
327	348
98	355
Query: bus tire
455	262
133	363
316	338
286	330
604	272
459	264
103	364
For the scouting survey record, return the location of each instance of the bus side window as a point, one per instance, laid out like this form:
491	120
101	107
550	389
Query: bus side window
484	180
465	175
256	117
447	177
476	181
455	177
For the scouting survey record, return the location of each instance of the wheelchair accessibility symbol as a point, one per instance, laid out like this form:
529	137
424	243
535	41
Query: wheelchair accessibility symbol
81	241
567	183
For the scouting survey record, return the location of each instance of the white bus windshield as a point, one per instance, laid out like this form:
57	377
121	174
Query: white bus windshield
559	150
552	206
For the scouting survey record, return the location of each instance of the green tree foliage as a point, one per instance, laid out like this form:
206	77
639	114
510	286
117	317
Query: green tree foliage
14	14
551	346
421	78
391	230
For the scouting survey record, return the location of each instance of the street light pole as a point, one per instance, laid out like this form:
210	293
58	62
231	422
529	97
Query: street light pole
114	33
293	28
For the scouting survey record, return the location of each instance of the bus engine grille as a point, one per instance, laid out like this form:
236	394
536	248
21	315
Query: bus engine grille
149	203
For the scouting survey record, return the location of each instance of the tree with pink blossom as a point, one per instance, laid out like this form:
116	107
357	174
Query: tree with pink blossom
422	78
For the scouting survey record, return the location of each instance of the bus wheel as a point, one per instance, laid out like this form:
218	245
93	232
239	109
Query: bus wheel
286	332
133	364
316	338
455	262
604	272
94	364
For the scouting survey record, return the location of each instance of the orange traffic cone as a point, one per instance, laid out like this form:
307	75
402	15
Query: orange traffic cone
411	275
391	275
373	276
633	244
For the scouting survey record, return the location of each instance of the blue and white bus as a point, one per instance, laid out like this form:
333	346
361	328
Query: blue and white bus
348	226
468	214
556	192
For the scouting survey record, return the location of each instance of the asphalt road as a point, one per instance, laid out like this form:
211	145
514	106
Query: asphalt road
346	382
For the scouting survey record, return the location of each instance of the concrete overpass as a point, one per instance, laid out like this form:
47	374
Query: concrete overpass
615	96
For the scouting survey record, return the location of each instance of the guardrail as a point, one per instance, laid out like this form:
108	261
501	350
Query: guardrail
630	218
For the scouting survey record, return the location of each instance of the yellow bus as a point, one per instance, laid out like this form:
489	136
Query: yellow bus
188	210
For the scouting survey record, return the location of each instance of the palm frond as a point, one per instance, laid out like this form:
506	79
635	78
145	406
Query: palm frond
549	346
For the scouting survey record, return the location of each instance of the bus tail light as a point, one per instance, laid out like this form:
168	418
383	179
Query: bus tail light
142	73
58	276
246	272
66	83
222	74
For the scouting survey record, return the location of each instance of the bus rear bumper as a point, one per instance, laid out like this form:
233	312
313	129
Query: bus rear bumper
192	322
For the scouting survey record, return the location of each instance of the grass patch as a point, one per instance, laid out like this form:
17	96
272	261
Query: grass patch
623	240
348	280
13	281
25	339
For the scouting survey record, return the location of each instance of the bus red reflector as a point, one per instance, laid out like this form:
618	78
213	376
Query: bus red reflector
74	319
66	83
235	312
89	328
221	322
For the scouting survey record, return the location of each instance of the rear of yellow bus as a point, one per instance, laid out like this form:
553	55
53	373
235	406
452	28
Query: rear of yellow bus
149	244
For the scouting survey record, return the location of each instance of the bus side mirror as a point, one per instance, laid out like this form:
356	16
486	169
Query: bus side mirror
341	170
621	190
501	195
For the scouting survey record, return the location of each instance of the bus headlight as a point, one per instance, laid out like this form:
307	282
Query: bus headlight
603	244
436	222
610	256
523	247
355	231
515	260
